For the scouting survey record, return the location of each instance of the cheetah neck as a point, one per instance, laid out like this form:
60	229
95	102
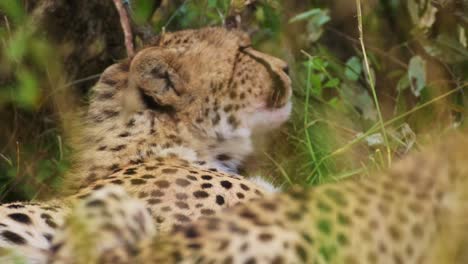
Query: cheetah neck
123	141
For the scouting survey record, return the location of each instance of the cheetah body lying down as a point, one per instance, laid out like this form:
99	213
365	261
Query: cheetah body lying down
165	133
171	126
414	213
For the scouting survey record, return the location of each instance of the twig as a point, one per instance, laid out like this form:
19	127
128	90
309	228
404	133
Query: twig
126	27
371	83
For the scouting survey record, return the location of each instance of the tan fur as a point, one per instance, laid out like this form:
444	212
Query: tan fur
414	213
171	127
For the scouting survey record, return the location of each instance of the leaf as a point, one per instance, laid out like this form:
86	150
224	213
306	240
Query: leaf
332	83
315	18
322	14
417	75
316	84
318	64
359	98
353	68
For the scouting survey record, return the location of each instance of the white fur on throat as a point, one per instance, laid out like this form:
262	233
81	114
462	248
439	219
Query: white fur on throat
262	182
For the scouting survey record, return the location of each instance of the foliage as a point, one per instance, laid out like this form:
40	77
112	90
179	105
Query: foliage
32	154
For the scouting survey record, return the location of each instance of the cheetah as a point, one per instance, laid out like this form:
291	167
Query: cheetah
171	126
414	213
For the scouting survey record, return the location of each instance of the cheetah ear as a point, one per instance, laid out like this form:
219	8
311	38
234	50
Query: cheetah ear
159	85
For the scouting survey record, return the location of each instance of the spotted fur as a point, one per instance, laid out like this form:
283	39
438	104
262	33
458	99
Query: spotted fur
414	213
170	126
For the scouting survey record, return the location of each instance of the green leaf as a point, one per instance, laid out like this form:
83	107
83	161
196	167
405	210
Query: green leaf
417	75
332	83
318	64
321	15
353	68
316	84
315	18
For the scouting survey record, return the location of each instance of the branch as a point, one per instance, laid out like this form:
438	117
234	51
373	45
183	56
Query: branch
126	27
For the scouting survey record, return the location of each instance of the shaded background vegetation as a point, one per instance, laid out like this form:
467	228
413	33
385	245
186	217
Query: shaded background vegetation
52	52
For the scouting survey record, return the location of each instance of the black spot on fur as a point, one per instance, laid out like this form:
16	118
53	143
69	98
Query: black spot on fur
117	182
194	246
162	184
219	200
21	218
110	113
130	171
157	193
169	171
95	203
244	187
154	201
124	134
206	185
191	232
147	176
226	184
181	196
223	157
182	182
130	123
13	237
182	205
192	178
15	206
182	218
137	181
207	212
200	194
207	177
118	148
301	252
48	237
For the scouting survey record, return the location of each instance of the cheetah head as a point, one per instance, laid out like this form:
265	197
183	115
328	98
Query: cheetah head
213	79
212	82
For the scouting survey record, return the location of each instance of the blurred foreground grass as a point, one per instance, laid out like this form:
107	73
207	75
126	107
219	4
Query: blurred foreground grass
417	62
